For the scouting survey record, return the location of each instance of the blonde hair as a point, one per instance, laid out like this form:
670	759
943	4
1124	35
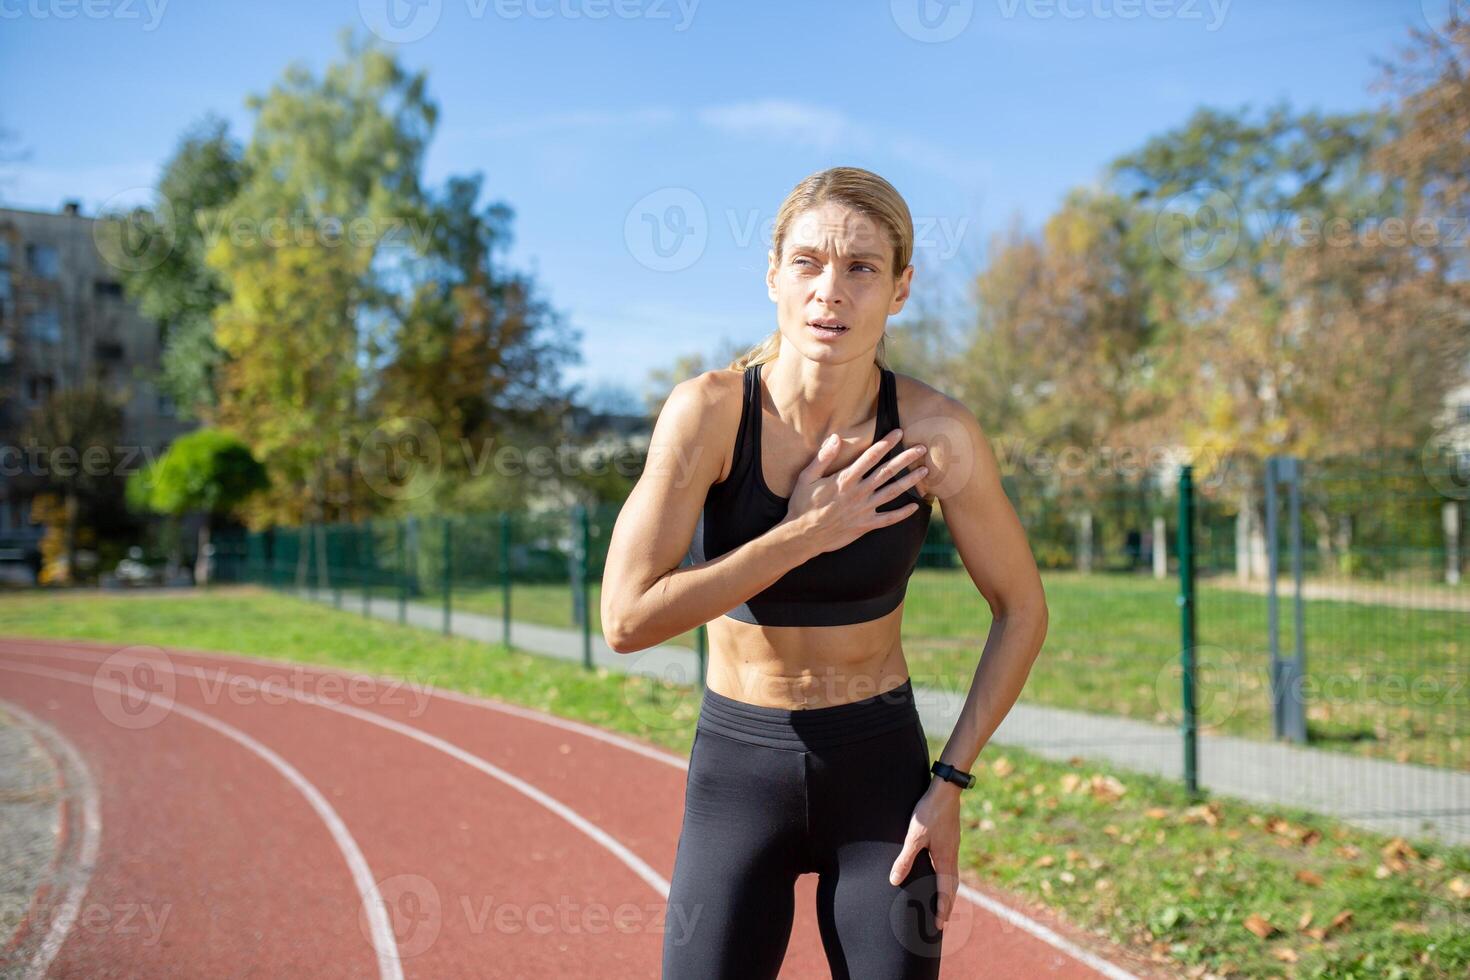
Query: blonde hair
864	192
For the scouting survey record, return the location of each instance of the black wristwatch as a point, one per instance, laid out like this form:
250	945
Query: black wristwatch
959	777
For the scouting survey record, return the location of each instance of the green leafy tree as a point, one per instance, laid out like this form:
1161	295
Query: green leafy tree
205	472
333	181
164	272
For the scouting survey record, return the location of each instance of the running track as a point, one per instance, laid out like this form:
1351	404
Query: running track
232	816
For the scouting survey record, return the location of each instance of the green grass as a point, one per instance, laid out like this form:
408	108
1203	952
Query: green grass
1383	681
1142	865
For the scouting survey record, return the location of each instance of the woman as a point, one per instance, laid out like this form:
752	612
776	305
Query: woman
809	755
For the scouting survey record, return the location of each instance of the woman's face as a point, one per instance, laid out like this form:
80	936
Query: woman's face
836	264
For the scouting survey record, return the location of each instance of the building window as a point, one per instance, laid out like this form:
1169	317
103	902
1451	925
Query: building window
45	325
165	406
43	261
109	350
1462	414
107	288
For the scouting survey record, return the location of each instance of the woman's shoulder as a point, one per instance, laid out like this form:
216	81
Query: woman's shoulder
917	399
704	412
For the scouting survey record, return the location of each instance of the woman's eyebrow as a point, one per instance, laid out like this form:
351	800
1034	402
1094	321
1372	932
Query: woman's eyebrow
819	250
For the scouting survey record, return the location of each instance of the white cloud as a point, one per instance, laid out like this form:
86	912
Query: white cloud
790	122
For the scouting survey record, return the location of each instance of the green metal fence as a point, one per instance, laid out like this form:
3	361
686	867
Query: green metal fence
1146	657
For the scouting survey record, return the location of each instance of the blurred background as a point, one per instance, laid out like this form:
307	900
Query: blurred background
375	304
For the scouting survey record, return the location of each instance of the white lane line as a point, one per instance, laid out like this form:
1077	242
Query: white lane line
1017	918
614	846
86	789
384	944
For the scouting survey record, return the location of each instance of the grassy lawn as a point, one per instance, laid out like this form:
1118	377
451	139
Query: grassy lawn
1383	681
1222	887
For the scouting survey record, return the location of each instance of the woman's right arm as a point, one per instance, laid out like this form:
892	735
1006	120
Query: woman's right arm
646	597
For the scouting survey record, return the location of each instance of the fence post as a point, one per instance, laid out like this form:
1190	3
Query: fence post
448	573
311	558
505	578
402	570
701	646
369	567
335	575
584	558
1187	628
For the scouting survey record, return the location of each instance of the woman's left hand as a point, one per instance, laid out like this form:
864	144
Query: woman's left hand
935	825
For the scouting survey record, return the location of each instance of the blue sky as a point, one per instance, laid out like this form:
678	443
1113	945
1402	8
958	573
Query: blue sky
596	120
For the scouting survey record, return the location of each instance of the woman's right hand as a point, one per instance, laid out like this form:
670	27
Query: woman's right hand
841	508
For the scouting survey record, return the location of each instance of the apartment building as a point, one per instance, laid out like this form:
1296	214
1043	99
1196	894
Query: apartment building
64	320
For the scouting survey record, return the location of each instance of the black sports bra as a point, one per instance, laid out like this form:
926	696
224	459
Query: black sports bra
863	580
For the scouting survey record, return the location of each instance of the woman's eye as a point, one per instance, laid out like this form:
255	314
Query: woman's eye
864	265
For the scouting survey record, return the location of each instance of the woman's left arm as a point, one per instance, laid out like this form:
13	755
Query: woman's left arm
964	476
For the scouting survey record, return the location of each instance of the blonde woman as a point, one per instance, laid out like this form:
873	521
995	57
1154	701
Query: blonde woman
802	503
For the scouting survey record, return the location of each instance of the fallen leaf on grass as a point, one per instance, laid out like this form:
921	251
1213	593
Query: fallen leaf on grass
1309	878
1459	887
1285	954
1259	925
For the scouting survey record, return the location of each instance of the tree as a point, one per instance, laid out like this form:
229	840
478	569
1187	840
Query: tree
164	271
475	353
205	471
77	431
332	180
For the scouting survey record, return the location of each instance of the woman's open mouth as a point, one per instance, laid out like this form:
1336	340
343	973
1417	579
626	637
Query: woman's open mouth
828	328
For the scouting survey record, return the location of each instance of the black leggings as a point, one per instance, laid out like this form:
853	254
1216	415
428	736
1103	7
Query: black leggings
773	793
